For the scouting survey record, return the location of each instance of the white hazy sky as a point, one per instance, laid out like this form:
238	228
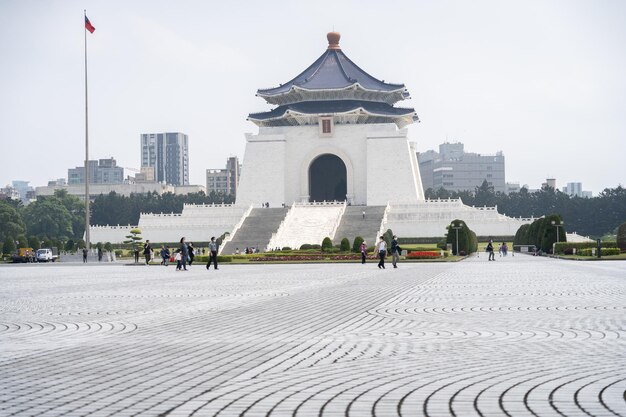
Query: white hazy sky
543	81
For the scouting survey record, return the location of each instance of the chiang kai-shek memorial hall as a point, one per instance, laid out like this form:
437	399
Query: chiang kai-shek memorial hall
332	158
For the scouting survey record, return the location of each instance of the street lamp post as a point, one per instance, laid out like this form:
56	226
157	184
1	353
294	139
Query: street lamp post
557	225
457	227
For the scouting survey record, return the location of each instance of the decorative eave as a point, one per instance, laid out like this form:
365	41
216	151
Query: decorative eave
359	114
355	91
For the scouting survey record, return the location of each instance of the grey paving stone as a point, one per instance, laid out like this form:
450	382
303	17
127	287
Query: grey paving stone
519	336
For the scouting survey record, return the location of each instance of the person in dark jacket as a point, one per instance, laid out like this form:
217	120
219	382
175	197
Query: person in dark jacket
396	250
184	253
147	251
192	254
213	254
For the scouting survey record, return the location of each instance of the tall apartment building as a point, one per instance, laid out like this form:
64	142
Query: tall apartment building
101	171
225	180
168	154
575	189
456	170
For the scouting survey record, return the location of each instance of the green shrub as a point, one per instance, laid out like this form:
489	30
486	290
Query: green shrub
286	249
345	245
566	247
327	244
604	251
119	253
356	245
306	246
621	237
468	243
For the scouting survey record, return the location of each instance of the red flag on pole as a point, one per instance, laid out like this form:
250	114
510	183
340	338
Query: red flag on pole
88	25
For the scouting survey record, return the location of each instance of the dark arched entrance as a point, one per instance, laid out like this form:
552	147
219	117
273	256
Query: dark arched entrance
327	179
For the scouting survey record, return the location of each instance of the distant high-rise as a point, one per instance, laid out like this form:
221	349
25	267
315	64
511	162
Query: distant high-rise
575	189
224	180
168	154
101	171
456	170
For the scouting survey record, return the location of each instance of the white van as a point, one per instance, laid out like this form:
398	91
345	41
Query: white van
46	255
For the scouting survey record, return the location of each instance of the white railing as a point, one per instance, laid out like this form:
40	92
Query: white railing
235	229
338	221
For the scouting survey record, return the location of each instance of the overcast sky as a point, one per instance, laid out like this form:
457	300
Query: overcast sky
542	81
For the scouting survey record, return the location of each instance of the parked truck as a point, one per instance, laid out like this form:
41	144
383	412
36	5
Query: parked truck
24	255
47	254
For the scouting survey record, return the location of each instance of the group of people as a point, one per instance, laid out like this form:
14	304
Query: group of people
381	251
503	250
183	256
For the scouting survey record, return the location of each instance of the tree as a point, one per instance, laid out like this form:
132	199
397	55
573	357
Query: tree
621	237
22	241
33	242
468	242
69	245
11	223
134	238
108	247
48	217
76	208
356	245
8	247
327	244
345	245
80	244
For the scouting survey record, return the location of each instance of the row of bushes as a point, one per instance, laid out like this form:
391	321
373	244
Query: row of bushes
541	233
603	251
567	248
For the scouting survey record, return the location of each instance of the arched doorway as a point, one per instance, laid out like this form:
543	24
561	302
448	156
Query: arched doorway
327	179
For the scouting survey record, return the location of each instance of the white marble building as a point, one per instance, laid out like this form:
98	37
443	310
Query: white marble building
335	136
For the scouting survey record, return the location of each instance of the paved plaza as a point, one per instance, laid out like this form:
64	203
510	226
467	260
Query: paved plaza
521	336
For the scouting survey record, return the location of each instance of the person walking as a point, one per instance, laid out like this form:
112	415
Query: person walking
184	253
489	249
136	252
147	251
396	250
100	254
363	249
85	252
178	258
213	253
381	249
165	255
192	254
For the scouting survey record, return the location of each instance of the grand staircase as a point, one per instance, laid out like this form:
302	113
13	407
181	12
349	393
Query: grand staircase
353	224
256	230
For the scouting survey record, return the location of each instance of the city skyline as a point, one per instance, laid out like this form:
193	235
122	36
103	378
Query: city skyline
541	81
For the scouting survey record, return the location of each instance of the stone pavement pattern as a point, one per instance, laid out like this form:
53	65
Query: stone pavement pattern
522	336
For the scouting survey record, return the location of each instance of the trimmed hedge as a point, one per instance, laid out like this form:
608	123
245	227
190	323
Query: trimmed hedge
604	252
356	245
566	247
541	233
468	243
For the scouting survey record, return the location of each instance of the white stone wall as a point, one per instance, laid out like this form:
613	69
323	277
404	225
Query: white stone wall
431	217
277	160
195	223
263	175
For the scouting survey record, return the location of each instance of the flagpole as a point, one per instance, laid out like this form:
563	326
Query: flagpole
87	226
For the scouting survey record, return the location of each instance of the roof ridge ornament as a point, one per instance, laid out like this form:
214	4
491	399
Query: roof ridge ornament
333	40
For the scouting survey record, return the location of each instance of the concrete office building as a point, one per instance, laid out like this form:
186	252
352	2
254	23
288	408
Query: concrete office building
456	170
168	154
101	171
575	189
224	181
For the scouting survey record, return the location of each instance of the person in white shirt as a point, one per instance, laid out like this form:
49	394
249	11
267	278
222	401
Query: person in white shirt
381	249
